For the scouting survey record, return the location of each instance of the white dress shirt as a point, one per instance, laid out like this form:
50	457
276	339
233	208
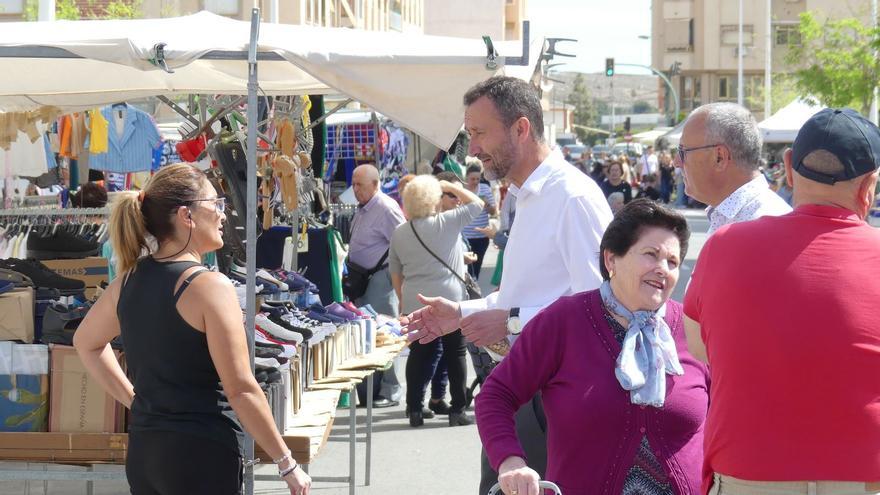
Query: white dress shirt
553	250
752	200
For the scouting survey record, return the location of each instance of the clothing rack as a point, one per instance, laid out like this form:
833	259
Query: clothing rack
60	212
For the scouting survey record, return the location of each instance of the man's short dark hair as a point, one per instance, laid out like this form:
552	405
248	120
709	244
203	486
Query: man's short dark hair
90	195
474	169
514	98
630	222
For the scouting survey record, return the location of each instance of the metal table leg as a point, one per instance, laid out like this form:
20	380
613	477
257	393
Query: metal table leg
369	427
352	440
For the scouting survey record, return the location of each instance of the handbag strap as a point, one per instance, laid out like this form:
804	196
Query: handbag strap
459	277
379	264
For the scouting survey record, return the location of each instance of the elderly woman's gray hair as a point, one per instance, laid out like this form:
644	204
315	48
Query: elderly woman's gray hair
735	127
421	196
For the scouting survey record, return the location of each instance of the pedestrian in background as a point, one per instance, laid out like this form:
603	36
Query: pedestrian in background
785	311
635	430
616	182
666	177
720	156
374	222
478	241
426	257
192	387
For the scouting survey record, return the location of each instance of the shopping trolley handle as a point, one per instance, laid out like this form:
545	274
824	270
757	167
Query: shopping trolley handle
543	485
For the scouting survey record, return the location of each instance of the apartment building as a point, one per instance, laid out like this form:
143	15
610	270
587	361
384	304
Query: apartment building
701	36
498	19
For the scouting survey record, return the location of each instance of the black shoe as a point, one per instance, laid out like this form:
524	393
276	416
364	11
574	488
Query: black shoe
60	245
416	419
441	407
426	413
60	323
382	403
263	351
459	419
42	276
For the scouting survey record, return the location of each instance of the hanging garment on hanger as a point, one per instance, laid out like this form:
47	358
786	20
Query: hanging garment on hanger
98	132
130	150
29	159
286	139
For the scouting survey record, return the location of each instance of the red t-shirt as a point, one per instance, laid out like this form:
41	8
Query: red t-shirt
789	309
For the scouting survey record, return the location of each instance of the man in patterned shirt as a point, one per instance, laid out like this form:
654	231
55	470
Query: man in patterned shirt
719	155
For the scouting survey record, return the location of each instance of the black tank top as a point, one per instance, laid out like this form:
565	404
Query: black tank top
176	385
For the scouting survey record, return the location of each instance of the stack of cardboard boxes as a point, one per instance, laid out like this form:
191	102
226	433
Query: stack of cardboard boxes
47	388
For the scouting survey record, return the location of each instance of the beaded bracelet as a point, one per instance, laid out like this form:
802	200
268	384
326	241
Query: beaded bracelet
286	456
288	470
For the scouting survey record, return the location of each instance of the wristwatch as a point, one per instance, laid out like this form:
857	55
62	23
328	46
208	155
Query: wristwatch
514	325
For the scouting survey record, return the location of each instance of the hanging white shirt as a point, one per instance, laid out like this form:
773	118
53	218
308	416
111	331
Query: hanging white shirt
553	250
752	200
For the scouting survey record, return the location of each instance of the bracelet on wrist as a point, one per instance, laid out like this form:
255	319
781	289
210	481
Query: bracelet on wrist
285	457
288	470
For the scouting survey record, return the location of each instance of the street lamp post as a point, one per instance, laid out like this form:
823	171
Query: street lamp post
874	102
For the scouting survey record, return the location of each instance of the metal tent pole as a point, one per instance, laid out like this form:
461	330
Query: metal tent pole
251	228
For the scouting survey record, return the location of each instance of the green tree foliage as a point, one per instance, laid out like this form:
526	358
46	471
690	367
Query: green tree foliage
835	62
69	10
582	100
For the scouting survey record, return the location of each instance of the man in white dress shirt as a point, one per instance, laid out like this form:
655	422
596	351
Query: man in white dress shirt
719	154
553	249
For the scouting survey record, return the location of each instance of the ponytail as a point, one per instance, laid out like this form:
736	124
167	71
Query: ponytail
128	233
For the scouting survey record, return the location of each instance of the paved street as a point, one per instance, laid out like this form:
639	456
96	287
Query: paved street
431	460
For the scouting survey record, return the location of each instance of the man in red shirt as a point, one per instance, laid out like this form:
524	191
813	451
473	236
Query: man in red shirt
786	311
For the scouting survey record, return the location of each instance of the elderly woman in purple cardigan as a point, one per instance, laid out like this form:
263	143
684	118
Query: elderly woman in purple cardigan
625	401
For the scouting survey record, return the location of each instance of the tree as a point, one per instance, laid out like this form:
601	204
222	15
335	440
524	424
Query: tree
835	62
642	106
584	111
69	10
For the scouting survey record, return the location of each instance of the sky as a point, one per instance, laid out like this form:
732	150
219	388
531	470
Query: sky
603	28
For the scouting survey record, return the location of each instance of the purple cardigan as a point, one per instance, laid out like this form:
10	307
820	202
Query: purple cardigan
568	353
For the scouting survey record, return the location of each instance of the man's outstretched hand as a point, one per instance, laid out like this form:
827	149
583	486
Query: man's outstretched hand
437	318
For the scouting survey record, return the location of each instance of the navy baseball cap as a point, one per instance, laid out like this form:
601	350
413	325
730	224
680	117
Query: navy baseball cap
853	139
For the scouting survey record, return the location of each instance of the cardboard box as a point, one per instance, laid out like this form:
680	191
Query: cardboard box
64	447
77	402
92	270
17	315
24	387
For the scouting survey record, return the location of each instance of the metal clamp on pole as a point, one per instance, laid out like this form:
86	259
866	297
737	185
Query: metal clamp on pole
491	54
159	58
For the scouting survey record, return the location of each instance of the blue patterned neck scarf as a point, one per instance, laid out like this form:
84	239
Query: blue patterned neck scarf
648	352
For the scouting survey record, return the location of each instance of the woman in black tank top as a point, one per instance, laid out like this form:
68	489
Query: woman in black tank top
190	386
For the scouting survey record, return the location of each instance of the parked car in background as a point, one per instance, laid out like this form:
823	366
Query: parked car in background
631	150
575	151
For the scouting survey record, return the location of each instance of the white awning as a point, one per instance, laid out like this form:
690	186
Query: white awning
416	80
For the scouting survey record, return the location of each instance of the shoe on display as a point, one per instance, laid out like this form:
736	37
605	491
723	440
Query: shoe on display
351	307
440	407
42	276
336	309
426	413
266	352
267	277
367	309
276	331
60	323
287	325
460	419
6	286
288	349
267	362
60	244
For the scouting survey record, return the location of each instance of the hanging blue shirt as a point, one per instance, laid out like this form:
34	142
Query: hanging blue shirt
133	152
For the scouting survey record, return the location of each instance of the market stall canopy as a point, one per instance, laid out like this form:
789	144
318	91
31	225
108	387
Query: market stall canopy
672	137
783	126
417	80
648	137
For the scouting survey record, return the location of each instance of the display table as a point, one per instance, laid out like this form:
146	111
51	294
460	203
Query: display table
305	436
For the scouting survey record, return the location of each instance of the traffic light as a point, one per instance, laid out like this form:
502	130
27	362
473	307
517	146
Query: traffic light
627	124
609	67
